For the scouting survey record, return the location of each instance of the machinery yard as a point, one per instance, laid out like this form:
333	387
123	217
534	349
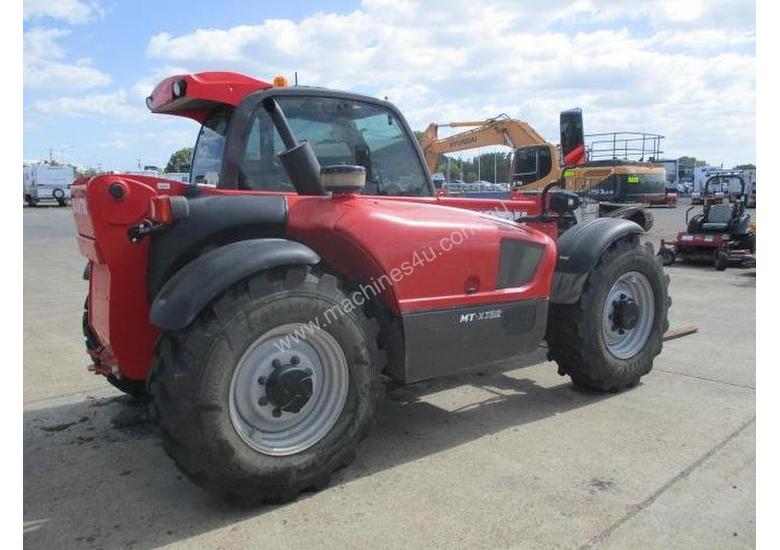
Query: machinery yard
517	456
375	274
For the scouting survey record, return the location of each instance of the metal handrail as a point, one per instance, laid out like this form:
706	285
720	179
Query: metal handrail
624	146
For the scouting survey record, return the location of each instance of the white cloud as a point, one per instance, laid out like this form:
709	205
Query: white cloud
44	70
71	11
62	76
114	105
42	44
678	68
684	69
126	104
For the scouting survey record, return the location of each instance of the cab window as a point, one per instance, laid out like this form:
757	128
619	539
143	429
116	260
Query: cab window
341	131
207	158
530	164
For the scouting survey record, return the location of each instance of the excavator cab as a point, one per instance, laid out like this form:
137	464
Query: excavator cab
532	163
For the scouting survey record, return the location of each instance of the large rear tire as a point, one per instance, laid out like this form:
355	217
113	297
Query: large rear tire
134	388
648	219
250	409
608	340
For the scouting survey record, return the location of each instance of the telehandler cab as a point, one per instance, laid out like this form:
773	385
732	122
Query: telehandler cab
257	306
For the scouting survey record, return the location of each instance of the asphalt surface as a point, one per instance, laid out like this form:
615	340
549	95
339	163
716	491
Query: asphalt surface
514	458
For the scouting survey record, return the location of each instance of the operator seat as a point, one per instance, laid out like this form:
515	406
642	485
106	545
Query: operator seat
719	217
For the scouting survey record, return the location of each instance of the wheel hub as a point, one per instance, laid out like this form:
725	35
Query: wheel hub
287	392
289	387
628	313
625	313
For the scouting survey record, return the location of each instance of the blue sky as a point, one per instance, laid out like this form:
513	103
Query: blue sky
683	68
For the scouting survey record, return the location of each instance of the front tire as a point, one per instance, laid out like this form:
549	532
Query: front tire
667	256
721	260
232	427
608	340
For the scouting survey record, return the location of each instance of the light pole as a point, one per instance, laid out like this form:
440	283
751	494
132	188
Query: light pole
62	152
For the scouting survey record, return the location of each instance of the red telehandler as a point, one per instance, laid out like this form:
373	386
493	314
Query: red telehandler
257	307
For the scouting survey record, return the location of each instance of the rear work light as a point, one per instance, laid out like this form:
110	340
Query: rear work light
165	209
179	88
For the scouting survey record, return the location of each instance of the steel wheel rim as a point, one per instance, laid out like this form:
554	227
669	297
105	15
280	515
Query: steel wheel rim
289	432
629	286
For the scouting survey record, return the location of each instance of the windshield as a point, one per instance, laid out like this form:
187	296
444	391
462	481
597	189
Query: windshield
341	131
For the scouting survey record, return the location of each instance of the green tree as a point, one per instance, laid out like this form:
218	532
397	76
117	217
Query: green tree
180	160
745	167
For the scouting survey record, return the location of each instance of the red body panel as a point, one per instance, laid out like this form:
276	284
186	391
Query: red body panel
118	307
576	156
429	254
425	253
697	241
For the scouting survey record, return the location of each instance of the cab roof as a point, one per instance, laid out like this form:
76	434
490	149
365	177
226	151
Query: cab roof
196	95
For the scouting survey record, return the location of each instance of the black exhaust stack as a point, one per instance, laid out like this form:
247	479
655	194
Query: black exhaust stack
298	160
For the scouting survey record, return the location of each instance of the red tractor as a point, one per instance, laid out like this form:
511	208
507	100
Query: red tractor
257	307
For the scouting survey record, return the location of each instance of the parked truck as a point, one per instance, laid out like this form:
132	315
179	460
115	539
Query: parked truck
47	182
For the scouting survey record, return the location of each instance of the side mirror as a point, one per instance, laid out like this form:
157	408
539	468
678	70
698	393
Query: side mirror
562	202
572	137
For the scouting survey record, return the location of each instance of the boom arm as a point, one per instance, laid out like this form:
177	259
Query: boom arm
501	130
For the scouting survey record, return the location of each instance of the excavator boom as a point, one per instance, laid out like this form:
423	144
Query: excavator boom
500	130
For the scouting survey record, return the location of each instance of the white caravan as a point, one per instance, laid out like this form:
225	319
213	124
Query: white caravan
47	182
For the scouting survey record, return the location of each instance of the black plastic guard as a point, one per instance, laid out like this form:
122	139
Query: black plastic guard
443	342
203	279
579	249
211	218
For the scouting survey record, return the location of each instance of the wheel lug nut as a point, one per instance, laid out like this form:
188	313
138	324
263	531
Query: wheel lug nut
261	381
294	360
276	363
277	413
262	401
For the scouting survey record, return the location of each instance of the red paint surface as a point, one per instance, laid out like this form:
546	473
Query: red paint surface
575	156
203	89
369	240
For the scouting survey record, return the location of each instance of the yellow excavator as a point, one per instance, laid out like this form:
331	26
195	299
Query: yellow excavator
622	187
